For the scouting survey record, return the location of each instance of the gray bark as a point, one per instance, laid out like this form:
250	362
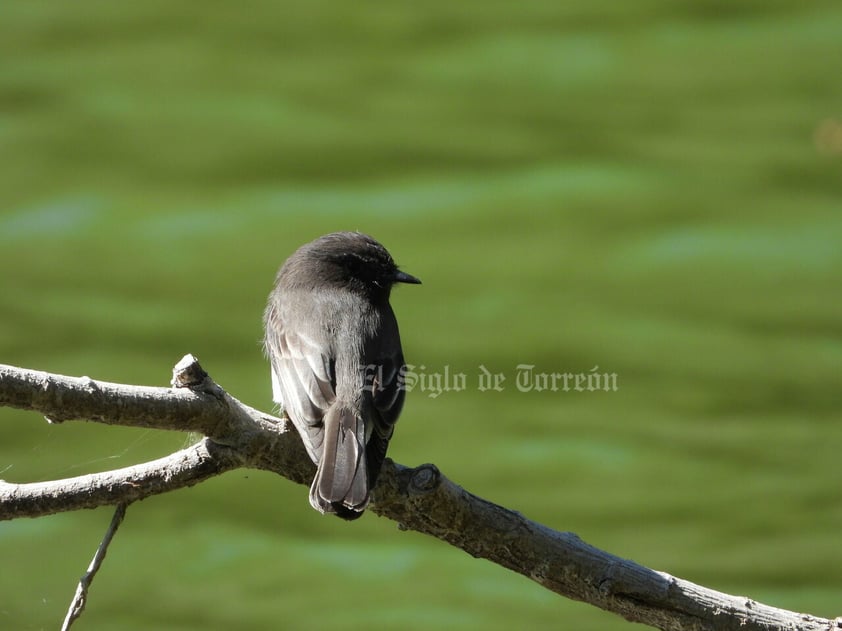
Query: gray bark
420	499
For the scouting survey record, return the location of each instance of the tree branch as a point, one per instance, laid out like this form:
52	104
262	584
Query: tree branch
184	468
419	499
80	598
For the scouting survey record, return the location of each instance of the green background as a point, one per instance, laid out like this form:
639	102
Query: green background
650	187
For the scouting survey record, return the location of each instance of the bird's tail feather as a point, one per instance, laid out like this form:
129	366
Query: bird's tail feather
341	482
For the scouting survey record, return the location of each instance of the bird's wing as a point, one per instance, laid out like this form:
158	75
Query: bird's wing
387	391
303	379
387	396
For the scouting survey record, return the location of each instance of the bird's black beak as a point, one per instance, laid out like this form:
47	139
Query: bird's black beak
403	277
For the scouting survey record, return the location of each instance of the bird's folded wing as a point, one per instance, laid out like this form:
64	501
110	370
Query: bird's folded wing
303	380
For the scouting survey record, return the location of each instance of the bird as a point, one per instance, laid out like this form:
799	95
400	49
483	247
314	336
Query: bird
337	364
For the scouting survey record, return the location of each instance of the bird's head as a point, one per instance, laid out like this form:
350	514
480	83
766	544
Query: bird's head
350	260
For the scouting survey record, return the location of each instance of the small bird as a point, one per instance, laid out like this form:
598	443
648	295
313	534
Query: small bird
337	364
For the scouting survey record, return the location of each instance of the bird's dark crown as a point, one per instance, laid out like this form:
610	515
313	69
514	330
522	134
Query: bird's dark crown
346	259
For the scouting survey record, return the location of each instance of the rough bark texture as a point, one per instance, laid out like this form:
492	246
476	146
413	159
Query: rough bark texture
419	499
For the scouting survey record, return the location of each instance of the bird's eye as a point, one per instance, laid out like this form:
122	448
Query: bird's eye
352	263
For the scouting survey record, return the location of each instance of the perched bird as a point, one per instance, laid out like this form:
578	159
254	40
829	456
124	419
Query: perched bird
337	364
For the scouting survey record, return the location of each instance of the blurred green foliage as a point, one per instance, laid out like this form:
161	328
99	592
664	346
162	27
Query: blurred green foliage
650	187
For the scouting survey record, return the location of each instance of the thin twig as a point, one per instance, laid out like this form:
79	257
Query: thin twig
77	605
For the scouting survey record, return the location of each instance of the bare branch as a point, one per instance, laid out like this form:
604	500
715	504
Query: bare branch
422	499
258	439
77	605
419	499
184	468
62	398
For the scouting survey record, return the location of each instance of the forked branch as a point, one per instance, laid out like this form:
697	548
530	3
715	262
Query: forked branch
420	499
